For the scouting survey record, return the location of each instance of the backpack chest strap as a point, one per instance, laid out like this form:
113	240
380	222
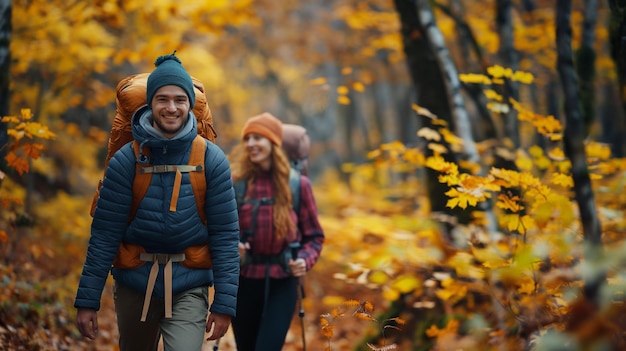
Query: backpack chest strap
170	168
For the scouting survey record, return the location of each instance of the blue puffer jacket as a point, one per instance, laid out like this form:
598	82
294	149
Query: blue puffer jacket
159	230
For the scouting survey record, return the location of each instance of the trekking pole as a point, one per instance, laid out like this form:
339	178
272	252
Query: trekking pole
294	255
301	312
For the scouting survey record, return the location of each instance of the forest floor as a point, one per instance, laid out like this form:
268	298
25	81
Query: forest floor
52	328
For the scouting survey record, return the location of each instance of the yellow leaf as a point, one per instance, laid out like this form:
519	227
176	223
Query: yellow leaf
332	300
509	203
598	150
557	154
26	114
406	284
463	264
451	138
474	78
358	86
343	100
342	90
437	148
422	111
378	277
390	294
562	179
318	81
10	119
429	134
490	257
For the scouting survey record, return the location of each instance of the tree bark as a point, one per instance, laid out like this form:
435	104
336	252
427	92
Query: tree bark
617	38
438	89
585	64
5	74
575	149
509	58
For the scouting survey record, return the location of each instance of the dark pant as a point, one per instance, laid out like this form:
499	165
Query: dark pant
257	329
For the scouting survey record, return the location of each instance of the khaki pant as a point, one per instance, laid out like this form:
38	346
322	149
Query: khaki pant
183	332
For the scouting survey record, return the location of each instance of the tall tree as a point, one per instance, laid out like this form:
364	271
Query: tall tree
617	36
575	148
5	62
435	77
509	59
585	63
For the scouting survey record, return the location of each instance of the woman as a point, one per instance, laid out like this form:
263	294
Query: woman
278	244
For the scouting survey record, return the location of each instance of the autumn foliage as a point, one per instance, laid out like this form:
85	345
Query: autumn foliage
393	274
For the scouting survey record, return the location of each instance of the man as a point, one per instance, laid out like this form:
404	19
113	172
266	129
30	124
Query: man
161	292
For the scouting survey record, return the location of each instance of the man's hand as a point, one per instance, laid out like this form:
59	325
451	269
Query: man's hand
87	322
219	323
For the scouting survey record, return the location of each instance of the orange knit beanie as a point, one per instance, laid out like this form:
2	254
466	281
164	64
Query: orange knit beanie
265	125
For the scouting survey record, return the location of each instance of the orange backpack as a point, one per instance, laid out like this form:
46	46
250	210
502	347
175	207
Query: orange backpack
131	95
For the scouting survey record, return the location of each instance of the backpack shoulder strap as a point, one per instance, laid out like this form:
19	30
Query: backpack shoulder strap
294	186
198	179
140	183
240	186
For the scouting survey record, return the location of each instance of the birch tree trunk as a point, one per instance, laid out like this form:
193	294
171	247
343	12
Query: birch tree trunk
5	73
438	89
450	79
430	92
575	151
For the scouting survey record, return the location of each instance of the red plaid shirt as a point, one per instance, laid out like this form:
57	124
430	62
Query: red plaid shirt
310	234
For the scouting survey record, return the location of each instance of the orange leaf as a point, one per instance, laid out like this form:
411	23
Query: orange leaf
19	164
32	150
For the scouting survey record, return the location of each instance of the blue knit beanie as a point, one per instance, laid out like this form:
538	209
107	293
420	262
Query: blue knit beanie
169	71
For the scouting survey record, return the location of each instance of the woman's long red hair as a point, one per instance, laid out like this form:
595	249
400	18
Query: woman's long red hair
243	168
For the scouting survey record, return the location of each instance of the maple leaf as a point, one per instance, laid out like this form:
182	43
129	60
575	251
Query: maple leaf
562	179
10	119
523	77
471	190
327	328
438	163
20	164
32	150
598	150
511	203
4	237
